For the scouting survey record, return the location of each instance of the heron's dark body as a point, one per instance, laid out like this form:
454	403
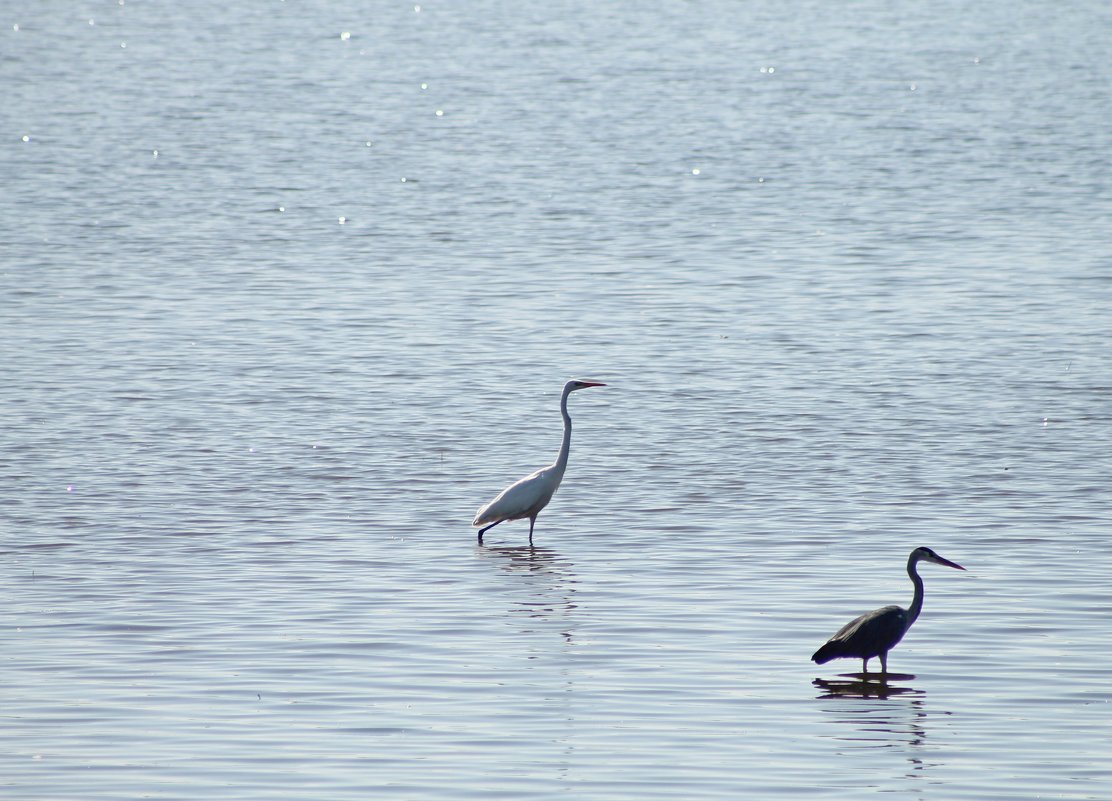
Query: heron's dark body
872	634
877	632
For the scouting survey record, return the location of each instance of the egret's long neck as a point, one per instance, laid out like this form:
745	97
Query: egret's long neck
916	602
562	458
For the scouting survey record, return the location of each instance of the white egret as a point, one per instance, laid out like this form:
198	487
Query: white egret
526	498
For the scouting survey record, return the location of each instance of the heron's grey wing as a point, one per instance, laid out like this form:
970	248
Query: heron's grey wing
875	631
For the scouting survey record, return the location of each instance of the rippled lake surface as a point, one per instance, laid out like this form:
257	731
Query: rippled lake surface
291	288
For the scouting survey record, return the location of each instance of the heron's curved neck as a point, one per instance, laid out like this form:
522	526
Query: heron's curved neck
916	602
565	446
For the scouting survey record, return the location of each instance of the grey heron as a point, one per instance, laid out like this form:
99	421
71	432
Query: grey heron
876	633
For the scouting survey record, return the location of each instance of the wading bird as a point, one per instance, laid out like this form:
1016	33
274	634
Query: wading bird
526	498
876	633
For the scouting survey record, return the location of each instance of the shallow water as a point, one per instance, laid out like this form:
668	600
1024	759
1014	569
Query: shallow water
845	271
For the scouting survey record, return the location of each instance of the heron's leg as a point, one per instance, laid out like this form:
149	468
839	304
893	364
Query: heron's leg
883	661
532	522
483	531
864	664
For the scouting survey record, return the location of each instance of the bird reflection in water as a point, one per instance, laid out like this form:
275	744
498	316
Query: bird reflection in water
540	594
866	685
550	591
880	714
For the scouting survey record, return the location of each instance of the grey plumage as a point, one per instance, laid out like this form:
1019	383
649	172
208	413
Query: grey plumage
877	632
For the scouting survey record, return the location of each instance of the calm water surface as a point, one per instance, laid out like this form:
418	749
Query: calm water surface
290	289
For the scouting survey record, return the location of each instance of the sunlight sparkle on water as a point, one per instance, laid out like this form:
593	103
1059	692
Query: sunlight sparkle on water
189	577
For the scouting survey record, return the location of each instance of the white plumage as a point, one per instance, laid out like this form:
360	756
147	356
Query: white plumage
526	498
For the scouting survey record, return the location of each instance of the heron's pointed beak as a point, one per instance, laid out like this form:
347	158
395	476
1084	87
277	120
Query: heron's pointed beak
593	384
948	563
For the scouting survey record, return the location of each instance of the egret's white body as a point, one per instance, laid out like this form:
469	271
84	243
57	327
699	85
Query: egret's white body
526	498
